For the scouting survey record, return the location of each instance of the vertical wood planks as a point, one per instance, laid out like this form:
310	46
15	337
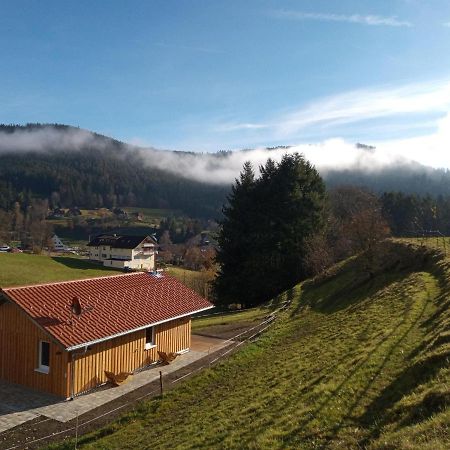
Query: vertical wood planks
19	341
19	352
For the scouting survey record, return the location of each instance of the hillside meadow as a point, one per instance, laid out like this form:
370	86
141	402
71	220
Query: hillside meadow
18	269
355	362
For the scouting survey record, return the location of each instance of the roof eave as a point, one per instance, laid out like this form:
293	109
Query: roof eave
107	338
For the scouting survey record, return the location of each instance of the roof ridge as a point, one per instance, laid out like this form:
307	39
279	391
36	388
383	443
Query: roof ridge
69	281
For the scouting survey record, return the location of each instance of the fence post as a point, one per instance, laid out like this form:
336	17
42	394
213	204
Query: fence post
161	383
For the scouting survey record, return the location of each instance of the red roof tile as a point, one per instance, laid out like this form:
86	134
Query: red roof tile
111	305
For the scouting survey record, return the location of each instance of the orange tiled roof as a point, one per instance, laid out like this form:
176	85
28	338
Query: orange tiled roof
111	306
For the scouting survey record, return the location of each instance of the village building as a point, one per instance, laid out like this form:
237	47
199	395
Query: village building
124	252
62	337
57	245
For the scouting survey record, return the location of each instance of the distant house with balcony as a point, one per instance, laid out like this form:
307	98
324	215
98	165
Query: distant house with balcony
124	252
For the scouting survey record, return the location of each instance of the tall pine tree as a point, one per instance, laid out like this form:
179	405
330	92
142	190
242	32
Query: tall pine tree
266	223
234	238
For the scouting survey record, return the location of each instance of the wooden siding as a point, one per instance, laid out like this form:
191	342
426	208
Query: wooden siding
127	353
174	336
19	353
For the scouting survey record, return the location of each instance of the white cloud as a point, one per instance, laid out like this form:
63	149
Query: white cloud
330	154
225	127
47	138
366	104
419	108
431	150
369	19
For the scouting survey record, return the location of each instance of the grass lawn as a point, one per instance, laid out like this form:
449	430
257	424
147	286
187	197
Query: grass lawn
152	216
196	280
18	269
226	319
355	362
441	243
185	275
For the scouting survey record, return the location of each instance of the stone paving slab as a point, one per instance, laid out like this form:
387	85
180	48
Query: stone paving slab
19	404
66	411
14	419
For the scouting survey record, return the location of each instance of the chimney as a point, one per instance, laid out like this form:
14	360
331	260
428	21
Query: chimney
76	306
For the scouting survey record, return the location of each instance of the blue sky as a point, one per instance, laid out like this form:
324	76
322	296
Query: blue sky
210	75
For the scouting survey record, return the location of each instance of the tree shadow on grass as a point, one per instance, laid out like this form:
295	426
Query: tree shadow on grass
351	282
412	377
81	264
355	286
379	371
347	381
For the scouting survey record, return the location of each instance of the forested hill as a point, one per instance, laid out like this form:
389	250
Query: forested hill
84	169
75	167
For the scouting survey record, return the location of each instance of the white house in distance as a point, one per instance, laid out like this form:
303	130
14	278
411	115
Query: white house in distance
124	252
57	244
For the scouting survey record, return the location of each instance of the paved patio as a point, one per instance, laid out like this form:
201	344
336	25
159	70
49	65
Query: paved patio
19	404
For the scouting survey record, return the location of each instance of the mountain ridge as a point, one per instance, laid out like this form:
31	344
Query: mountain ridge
89	169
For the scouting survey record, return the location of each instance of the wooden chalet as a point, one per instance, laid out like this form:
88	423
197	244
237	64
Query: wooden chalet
62	337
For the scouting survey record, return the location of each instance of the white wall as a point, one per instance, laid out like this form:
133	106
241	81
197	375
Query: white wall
132	258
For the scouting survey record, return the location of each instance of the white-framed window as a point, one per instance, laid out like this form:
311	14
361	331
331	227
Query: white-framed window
44	357
149	338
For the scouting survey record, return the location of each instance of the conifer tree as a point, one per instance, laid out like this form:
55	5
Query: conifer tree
265	227
235	238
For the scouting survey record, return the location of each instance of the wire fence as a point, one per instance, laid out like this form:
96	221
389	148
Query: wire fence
255	331
430	238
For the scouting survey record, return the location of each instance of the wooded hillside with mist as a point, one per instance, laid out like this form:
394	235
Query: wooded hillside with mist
74	167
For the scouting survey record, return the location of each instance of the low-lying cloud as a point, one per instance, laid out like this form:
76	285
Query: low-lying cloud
45	139
330	154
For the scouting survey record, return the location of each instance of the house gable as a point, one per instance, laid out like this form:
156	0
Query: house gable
20	338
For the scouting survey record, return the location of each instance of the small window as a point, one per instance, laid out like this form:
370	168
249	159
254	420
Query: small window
44	357
149	337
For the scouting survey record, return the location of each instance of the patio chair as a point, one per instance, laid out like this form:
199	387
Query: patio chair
118	379
167	358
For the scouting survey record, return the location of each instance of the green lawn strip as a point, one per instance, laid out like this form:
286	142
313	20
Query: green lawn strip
183	274
250	315
314	380
18	269
153	213
436	242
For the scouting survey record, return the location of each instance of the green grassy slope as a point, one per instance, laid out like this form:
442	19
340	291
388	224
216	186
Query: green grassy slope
227	319
355	362
199	281
18	269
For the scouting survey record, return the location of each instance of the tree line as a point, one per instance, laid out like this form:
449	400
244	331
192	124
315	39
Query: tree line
283	226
